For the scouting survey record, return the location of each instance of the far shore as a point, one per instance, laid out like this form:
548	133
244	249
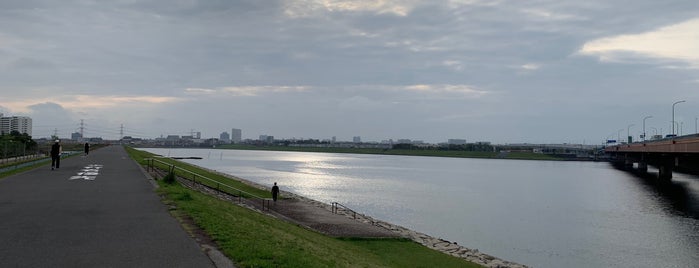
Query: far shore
509	155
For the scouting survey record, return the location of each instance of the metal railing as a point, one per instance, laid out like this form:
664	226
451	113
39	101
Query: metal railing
155	164
20	158
336	207
24	163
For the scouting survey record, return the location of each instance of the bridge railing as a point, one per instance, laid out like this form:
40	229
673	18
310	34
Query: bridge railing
195	178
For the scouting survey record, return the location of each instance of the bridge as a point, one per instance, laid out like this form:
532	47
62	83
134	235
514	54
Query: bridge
674	153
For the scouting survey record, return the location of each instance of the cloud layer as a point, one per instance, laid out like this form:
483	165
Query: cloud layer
501	71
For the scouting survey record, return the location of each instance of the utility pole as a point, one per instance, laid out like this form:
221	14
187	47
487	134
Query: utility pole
121	132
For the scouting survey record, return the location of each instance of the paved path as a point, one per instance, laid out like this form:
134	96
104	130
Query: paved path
313	216
95	211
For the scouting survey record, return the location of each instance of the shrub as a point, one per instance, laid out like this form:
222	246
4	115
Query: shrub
169	178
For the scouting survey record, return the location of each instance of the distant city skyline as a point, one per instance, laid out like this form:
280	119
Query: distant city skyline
499	71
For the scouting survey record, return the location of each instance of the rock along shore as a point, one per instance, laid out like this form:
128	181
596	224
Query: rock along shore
445	246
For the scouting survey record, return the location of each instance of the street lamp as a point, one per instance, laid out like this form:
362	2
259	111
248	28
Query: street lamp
618	135
628	129
673	115
644	126
681	128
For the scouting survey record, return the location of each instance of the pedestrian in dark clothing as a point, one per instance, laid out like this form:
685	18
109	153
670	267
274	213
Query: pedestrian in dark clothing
87	149
275	192
56	155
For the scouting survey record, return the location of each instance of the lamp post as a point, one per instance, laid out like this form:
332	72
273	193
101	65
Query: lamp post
673	115
618	135
681	128
628	129
644	126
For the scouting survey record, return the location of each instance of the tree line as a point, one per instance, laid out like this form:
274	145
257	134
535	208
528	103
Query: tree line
16	144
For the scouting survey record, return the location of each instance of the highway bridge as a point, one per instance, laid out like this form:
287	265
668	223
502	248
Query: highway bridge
674	153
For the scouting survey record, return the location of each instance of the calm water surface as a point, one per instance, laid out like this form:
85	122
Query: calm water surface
539	213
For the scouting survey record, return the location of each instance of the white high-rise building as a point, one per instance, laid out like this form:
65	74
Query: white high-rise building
236	135
22	124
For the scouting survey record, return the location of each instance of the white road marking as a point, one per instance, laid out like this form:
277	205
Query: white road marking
89	173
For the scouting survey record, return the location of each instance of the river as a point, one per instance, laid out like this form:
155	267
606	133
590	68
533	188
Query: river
538	213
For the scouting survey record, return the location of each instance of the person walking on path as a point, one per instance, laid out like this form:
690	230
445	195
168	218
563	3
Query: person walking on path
275	192
56	151
87	149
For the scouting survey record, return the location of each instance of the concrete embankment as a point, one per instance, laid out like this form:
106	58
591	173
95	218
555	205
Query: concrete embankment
319	216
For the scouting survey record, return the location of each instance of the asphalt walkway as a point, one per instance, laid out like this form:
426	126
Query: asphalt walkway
94	211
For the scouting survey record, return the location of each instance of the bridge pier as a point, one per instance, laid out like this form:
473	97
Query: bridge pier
665	172
665	168
628	164
642	166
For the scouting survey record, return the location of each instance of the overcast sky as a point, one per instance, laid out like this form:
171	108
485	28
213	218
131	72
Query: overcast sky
543	71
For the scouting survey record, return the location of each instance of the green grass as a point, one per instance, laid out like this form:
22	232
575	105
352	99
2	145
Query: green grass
23	169
139	156
252	239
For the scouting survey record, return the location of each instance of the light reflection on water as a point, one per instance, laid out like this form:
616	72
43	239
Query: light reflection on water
540	213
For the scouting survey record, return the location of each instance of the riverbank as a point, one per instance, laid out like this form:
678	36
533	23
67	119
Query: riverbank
311	218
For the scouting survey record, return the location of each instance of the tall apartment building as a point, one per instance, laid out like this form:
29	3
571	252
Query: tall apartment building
236	135
22	124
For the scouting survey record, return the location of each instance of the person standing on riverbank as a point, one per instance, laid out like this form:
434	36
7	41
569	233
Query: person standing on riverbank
275	192
56	155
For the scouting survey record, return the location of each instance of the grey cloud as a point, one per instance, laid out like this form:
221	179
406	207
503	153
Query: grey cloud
350	59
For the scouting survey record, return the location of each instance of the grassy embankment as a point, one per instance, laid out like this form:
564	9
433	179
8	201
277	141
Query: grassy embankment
252	239
12	171
427	152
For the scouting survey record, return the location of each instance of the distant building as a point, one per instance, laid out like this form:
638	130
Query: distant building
263	138
357	139
236	135
225	137
456	141
76	136
21	124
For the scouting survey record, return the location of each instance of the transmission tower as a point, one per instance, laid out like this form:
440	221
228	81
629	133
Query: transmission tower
82	129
